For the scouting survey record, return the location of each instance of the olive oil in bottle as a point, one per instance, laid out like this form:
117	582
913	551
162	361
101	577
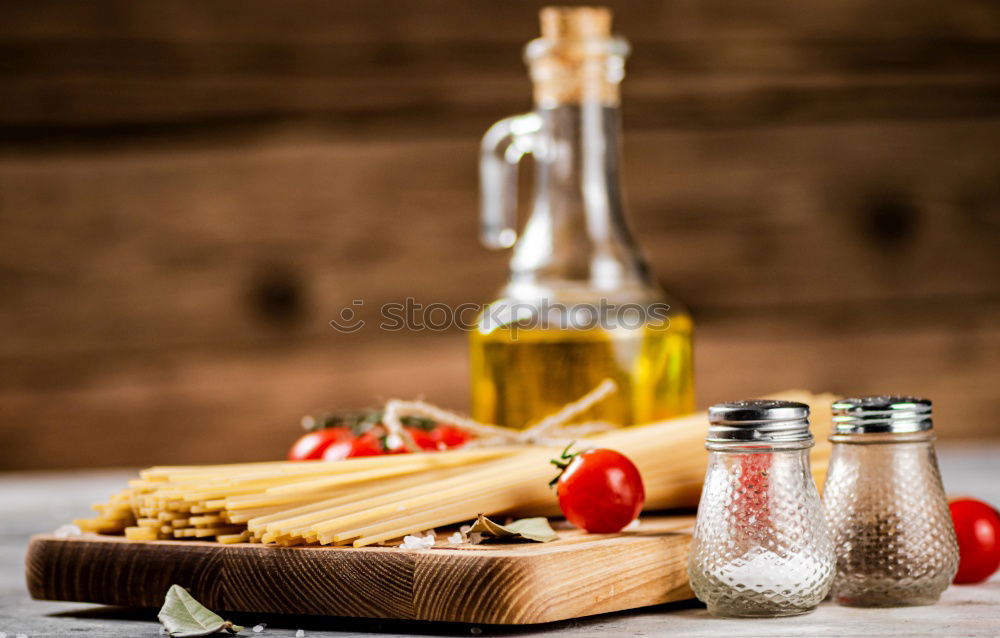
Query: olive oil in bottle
531	352
521	376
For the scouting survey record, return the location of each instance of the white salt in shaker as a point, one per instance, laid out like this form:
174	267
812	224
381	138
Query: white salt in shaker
887	510
760	546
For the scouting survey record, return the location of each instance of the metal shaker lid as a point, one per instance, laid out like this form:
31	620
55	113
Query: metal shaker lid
758	420
881	414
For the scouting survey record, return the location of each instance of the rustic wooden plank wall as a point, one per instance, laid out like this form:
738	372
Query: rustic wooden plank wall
189	191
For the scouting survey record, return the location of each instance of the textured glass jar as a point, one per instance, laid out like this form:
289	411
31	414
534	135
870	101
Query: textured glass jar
760	546
886	507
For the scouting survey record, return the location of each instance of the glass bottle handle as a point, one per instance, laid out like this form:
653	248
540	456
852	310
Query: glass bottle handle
503	146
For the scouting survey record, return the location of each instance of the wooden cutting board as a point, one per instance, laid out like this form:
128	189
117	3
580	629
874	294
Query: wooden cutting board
578	575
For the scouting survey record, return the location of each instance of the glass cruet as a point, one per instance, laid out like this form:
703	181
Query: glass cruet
579	305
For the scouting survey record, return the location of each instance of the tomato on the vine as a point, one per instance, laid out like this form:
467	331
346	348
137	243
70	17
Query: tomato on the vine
977	527
348	435
438	438
600	490
312	445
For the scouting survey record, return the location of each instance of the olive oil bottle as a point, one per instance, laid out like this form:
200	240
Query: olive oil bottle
579	306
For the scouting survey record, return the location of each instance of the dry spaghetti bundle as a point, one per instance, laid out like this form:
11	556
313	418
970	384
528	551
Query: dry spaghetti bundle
379	499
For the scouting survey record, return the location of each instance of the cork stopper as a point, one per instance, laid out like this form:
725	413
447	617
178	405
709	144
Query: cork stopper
575	23
577	58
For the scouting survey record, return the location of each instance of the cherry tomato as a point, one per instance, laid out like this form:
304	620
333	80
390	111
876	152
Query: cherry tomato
449	436
600	491
422	438
977	526
338	451
312	445
368	444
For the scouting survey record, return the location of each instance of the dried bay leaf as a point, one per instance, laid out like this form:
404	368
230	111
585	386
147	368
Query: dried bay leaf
185	617
532	529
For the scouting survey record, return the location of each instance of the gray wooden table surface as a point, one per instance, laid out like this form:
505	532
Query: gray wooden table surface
35	502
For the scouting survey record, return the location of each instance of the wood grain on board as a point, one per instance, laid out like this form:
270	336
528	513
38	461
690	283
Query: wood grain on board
191	191
496	584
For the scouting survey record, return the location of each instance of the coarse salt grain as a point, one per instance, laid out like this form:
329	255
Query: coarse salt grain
299	633
410	542
475	538
258	628
633	525
66	531
455	538
416	542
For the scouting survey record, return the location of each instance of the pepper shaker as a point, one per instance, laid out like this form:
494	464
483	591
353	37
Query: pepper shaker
760	545
886	507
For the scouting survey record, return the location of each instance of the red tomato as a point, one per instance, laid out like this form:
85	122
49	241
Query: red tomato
449	436
339	451
977	526
422	438
600	491
367	444
313	444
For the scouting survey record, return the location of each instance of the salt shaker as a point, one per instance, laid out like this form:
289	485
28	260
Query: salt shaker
760	546
888	515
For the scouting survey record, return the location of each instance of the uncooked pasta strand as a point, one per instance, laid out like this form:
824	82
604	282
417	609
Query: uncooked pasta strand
366	501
